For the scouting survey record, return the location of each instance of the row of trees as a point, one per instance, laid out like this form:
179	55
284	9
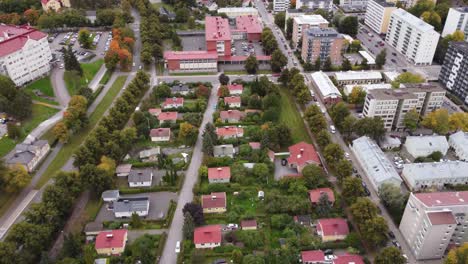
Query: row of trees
15	102
150	30
74	118
270	45
293	80
30	16
441	122
120	49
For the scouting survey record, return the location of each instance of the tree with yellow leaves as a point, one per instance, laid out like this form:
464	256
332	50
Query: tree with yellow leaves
438	121
107	164
458	255
458	121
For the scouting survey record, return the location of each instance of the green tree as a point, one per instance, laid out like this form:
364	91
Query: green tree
189	226
251	65
393	199
209	139
289	28
357	95
372	127
346	65
323	205
443	44
344	169
315	118
280	19
362	210
278	61
191	22
364	64
71	246
237	256
352	189
135	221
327	65
313	175
13	131
348	126
432	18
70	61
61	132
457	255
333	153
411	120
338	113
323	138
390	255
261	171
355	46
223	79
16	178
348	25
420	7
317	64
84	38
374	231
438	121
407	77
188	133
252	259
381	58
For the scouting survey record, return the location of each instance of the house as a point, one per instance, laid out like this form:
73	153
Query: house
348	259
92	229
303	220
314	195
101	261
181	89
231	116
214	203
224	151
123	170
29	155
170	117
422	146
301	155
312	257
390	142
55	5
249	224
111	242
459	143
229	132
110	196
160	134
174	102
207	236
255	145
150	154
219	175
155	111
235	89
332	229
140	178
125	207
232	101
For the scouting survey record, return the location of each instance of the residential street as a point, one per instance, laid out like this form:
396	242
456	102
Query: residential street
60	89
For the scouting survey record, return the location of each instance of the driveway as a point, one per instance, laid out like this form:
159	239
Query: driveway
281	171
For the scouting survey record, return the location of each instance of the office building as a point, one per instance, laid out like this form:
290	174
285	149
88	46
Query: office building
314	4
434	222
358	77
24	53
355	4
281	5
322	43
327	90
454	72
392	104
347	89
378	14
233	12
375	164
302	23
459	143
412	37
430	175
457	19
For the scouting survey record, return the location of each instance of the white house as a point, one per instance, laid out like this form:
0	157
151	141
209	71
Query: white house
435	174
125	207
29	155
422	146
459	143
140	178
160	134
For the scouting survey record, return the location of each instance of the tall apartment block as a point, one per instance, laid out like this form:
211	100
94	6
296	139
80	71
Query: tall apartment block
378	14
302	23
322	43
281	5
457	19
218	35
392	104
454	72
412	37
432	222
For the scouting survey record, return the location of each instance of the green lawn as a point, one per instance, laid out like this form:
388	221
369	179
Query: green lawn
39	114
75	141
74	82
291	117
45	86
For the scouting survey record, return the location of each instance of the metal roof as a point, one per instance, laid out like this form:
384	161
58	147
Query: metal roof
131	204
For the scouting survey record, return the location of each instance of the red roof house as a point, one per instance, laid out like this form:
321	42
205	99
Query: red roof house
235	89
312	256
332	229
315	195
348	259
232	101
249	224
301	155
231	116
219	175
214	202
111	242
168	117
160	134
174	102
207	236
229	132
255	145
154	111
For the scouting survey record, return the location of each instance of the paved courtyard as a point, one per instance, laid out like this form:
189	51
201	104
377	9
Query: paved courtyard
281	171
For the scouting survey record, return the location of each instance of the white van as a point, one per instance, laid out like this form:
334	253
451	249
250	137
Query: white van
177	247
332	129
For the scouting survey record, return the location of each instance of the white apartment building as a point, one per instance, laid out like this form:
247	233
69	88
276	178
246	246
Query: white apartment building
457	19
423	146
233	12
358	77
347	89
459	143
392	104
359	4
378	14
281	5
433	221
315	4
411	3
412	37
420	176
24	53
304	22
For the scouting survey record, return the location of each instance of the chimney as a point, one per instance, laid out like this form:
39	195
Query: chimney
229	111
219	169
109	236
302	150
213	197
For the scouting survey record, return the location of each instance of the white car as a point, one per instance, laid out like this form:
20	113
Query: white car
346	154
177	247
332	129
232	226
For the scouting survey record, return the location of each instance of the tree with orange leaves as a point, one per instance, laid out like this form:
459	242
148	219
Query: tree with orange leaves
31	16
12	18
125	58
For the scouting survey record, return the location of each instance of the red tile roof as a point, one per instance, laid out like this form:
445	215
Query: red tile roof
229	131
232	100
249	23
441	218
235	87
243	58
348	259
111	239
17	37
312	255
160	132
248	223
231	114
303	154
214	200
443	198
217	28
167	116
219	173
190	55
207	234
174	101
333	226
314	195
255	145
154	111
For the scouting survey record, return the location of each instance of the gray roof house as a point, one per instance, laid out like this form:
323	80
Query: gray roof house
140	177
150	154
224	151
29	155
123	170
110	195
125	207
180	88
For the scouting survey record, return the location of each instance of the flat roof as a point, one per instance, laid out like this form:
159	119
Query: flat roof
434	170
217	28
189	55
357	75
413	20
310	20
250	24
367	56
460	140
325	85
436	199
366	87
389	94
237	9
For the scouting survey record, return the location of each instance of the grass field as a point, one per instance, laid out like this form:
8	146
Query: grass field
291	117
74	83
39	114
45	86
75	141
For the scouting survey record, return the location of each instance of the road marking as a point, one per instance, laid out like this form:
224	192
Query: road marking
10	220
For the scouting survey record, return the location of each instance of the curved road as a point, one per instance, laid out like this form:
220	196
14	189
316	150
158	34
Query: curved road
60	89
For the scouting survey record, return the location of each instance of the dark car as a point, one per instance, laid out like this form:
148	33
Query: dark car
391	235
367	191
359	176
396	244
393	53
284	162
393	60
354	170
285	46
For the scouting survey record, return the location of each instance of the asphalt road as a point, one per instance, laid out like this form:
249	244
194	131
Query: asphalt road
60	89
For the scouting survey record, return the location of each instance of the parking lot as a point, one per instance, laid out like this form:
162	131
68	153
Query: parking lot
244	48
159	204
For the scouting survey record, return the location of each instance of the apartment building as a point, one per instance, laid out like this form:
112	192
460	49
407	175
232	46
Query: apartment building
392	104
233	12
357	4
315	4
454	72
411	3
457	19
432	222
430	175
304	22
322	43
378	14
24	53
412	37
281	5
358	77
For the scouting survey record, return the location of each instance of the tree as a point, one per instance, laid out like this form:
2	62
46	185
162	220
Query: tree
251	65
135	221
317	64
344	169
352	189
362	210
196	211
189	226
323	138
392	198
374	231
357	95
458	121
346	65
420	7
70	61
372	127
348	126
209	139
390	255
31	237
411	120
61	132
13	131
348	25
338	113
223	91
364	64
223	79
278	61
261	171
327	64
14	102
237	256
191	22
31	16
84	38
355	46
289	28
443	44
312	175
315	118
97	179
16	178
407	77
432	18
71	246
187	133
457	255
333	154
381	58
252	259
280	19
438	121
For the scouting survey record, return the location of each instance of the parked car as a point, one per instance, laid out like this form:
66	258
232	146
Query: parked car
391	235
332	129
396	244
177	247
